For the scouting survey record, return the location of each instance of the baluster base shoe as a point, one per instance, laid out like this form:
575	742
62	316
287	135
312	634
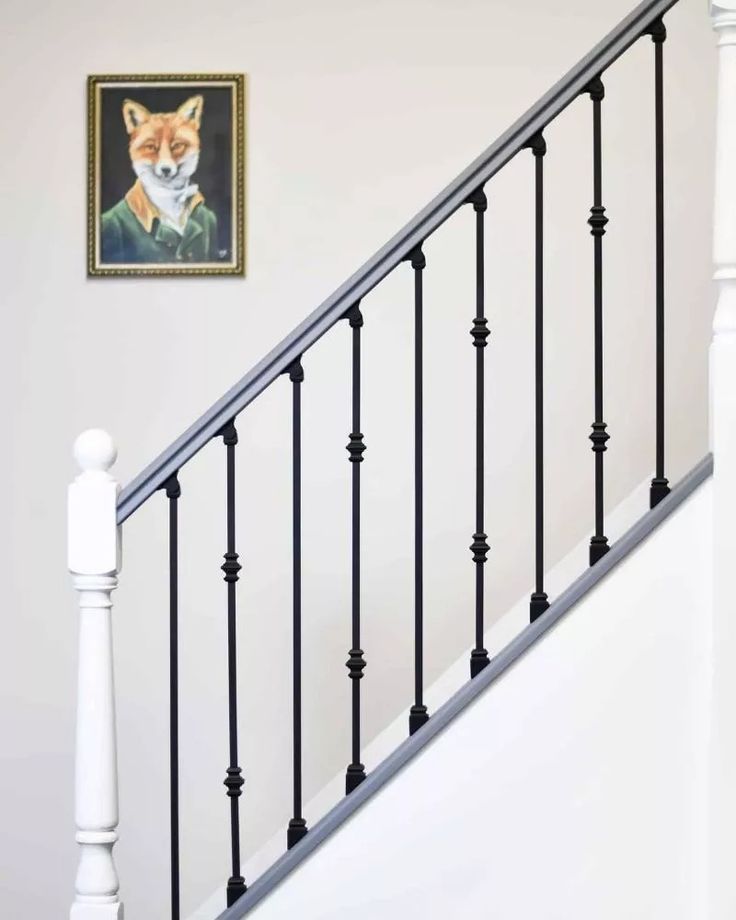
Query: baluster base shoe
598	548
354	776
659	489
297	830
235	888
537	605
418	716
478	660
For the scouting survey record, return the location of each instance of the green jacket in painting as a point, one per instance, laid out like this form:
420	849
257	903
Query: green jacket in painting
132	232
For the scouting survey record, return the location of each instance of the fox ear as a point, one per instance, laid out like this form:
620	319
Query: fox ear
191	110
134	114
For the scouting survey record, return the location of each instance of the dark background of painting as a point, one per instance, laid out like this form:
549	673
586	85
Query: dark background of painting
214	172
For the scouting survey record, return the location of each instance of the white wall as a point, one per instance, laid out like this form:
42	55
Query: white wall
583	771
358	114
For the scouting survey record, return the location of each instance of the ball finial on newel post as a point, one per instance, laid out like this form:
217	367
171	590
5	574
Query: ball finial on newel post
95	451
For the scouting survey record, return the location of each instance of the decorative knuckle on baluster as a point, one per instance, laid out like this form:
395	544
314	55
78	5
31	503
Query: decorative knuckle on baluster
537	144
597	220
229	434
658	31
417	258
355	663
478	199
234	782
355	447
599	436
480	332
479	547
231	567
595	89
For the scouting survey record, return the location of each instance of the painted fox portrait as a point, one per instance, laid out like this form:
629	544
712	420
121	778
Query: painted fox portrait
163	217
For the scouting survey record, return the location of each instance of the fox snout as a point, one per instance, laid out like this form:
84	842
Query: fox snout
166	170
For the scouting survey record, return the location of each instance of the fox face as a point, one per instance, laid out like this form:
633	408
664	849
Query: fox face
164	147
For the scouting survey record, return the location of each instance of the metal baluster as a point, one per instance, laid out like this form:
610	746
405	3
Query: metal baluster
539	603
297	825
418	714
173	491
234	780
598	220
356	662
660	484
479	332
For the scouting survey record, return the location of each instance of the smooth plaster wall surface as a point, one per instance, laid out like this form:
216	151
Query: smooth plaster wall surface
358	114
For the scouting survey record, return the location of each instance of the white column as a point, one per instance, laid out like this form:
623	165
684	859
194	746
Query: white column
94	561
722	773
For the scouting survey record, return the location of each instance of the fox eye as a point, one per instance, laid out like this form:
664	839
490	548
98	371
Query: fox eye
149	147
178	147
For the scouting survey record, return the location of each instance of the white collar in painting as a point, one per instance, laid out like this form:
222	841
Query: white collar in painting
171	203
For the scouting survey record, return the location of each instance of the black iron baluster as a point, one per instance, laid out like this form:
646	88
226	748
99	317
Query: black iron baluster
598	220
539	602
173	491
660	484
356	662
418	714
234	779
297	825
479	332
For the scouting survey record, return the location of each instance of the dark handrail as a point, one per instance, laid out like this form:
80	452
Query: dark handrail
628	31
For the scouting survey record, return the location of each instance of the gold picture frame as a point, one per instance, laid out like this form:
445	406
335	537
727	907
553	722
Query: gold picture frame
152	139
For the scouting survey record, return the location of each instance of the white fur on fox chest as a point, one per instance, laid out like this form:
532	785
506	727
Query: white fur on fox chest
172	196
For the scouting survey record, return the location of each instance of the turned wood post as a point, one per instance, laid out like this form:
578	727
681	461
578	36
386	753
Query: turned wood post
722	759
94	561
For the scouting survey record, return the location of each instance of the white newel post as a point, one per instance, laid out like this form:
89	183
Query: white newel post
94	561
722	773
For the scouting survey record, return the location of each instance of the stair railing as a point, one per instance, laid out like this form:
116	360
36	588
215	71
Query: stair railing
97	512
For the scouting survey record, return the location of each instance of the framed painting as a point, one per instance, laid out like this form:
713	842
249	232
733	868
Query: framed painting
166	175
